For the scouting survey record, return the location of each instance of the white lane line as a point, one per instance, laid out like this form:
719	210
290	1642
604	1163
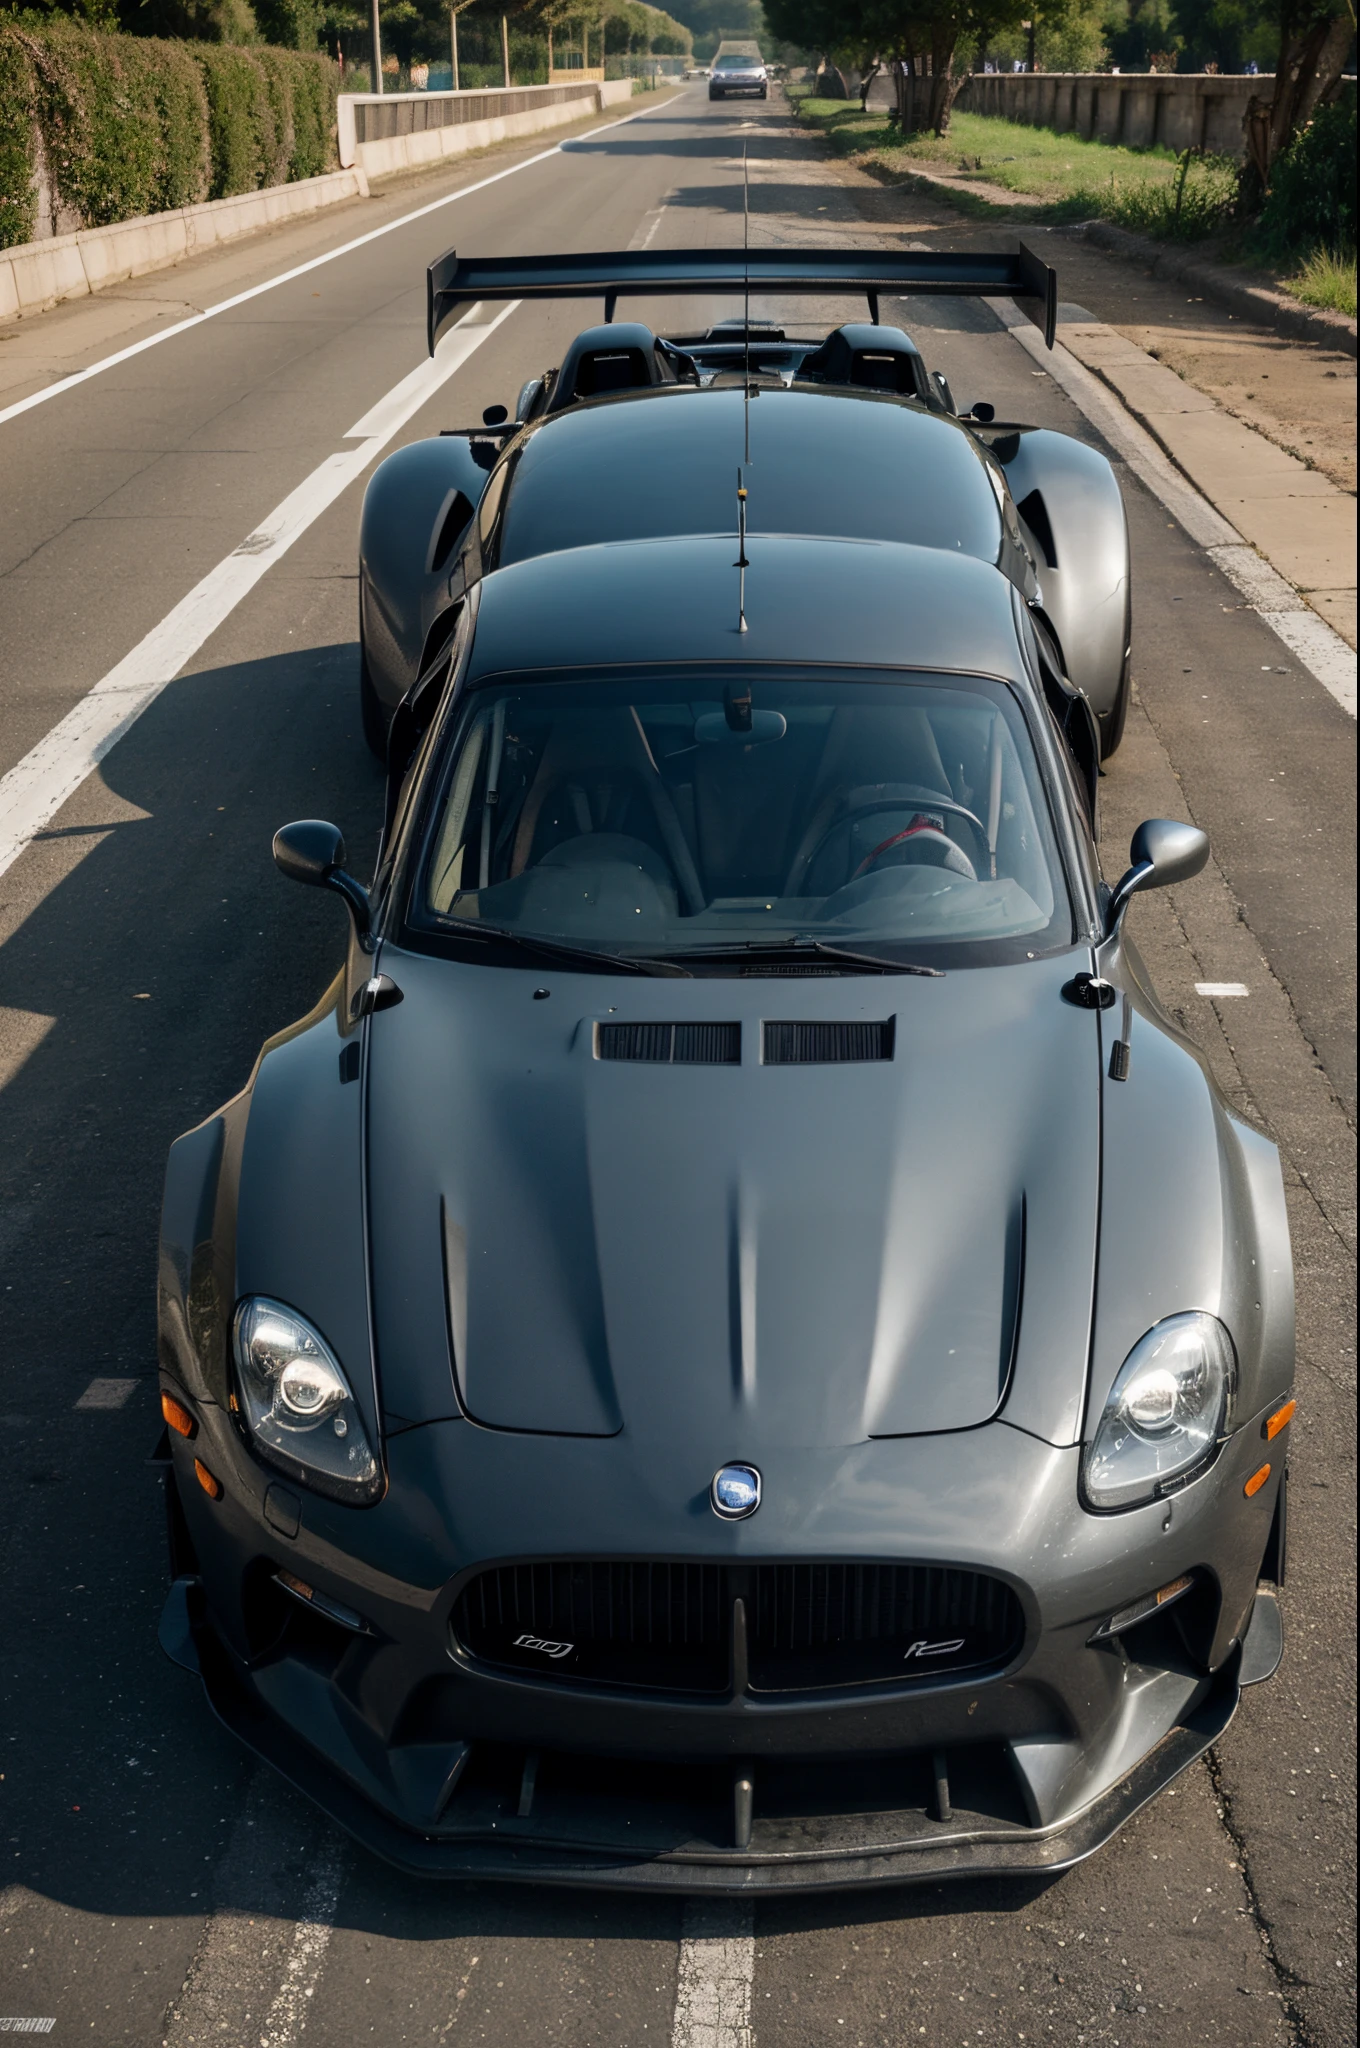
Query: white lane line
1312	642
713	1983
1219	989
135	348
311	1938
35	789
108	1394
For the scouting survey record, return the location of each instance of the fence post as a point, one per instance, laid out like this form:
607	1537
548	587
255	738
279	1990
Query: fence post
375	36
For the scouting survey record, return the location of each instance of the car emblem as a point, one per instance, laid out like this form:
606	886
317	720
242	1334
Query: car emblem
735	1492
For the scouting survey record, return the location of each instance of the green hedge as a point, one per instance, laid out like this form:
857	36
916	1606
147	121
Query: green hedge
17	205
129	125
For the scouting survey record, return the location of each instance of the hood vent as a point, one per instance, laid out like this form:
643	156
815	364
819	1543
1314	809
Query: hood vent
762	973
670	1045
792	1045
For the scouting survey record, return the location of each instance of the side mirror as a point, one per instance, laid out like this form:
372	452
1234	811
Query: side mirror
1161	852
312	851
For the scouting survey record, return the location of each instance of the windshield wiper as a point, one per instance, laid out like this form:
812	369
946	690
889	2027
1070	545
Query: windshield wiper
561	949
800	948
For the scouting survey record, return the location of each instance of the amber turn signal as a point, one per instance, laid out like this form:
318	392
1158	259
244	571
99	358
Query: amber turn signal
213	1486
1253	1485
1281	1419
178	1416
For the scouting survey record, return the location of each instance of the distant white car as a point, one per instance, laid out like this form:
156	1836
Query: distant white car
738	73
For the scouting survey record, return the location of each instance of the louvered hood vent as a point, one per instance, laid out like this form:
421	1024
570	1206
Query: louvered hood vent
671	1045
787	1045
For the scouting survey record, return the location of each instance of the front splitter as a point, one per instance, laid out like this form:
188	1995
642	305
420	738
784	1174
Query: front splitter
517	1850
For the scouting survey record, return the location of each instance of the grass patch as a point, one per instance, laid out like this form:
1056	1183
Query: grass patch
1325	280
1151	191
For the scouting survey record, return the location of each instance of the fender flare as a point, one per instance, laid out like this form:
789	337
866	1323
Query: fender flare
1072	509
418	506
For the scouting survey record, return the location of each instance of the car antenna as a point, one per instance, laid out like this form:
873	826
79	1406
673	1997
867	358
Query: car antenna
741	565
741	562
746	300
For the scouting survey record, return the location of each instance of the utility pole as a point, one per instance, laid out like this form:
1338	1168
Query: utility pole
505	51
375	36
453	43
1030	27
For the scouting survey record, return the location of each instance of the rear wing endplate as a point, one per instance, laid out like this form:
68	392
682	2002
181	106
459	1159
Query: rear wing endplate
453	280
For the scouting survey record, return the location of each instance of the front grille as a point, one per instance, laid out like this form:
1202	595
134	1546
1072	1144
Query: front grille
821	1044
677	1627
678	1045
658	1625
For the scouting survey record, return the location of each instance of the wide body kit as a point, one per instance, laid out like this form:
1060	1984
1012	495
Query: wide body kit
731	1341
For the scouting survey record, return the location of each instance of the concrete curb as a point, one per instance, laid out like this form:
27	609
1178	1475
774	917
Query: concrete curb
1314	644
1226	287
39	274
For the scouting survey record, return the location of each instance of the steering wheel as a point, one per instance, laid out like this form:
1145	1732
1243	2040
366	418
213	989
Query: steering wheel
935	844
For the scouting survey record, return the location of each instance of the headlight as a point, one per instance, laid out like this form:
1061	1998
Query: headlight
1169	1406
297	1406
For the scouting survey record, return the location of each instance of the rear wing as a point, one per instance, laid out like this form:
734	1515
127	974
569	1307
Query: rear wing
453	280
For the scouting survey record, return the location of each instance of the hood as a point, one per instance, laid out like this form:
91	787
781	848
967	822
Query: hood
732	1254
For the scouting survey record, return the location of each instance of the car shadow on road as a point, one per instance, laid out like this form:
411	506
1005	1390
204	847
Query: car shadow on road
161	948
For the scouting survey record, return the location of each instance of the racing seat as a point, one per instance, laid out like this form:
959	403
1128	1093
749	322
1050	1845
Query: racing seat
877	358
620	357
593	765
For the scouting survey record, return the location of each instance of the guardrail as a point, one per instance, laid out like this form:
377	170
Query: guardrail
398	130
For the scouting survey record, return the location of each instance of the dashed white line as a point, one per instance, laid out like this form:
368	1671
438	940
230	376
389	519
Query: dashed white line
107	1393
311	1938
713	1982
36	787
1216	990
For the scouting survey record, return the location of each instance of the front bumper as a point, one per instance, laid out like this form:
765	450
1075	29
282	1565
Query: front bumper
449	1768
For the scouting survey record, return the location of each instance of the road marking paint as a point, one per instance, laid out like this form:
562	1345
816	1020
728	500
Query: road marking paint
1276	603
107	1394
311	1938
1218	989
713	1982
36	787
26	2026
136	348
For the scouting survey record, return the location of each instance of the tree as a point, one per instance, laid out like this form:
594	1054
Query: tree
920	38
1314	43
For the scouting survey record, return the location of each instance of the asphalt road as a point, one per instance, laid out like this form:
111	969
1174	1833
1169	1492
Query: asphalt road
155	1884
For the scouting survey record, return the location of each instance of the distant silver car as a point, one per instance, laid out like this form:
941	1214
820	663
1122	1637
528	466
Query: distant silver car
737	72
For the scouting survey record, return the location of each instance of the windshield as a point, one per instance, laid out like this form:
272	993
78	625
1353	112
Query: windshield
731	63
633	813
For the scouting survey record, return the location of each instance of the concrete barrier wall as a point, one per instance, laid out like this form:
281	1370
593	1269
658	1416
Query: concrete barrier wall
386	132
413	129
1141	110
38	274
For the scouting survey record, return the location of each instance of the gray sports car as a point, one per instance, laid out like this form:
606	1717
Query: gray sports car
818	1418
